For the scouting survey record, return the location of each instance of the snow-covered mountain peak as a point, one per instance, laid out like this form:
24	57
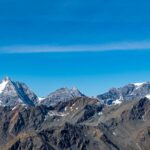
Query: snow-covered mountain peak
13	93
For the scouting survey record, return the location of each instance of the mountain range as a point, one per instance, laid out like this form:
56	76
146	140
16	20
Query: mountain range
13	93
126	93
67	119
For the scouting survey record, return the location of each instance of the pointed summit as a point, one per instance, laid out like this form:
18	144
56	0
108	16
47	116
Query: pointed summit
74	88
13	93
7	78
61	95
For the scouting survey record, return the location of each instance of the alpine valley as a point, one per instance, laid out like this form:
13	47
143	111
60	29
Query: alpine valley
67	119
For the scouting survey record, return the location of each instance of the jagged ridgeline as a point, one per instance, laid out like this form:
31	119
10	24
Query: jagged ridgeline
68	120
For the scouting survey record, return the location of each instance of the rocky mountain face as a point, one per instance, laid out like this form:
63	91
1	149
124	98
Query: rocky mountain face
126	93
14	93
61	95
68	120
79	124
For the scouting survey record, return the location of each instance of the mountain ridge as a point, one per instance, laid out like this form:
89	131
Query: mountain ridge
128	92
26	96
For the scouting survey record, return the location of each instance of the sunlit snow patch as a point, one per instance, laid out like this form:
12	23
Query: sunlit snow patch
117	102
40	99
3	85
138	85
147	96
54	113
100	113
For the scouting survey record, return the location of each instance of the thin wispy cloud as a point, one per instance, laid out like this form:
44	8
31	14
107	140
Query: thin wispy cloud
76	48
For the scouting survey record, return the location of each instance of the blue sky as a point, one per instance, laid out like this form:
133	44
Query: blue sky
93	45
91	72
